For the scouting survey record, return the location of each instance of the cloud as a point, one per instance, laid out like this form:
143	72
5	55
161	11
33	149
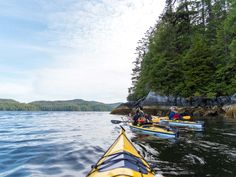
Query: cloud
17	91
91	46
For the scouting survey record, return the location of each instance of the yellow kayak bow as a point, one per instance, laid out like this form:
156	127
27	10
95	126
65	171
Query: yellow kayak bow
121	160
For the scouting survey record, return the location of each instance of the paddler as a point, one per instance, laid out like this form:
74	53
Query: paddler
138	114
174	115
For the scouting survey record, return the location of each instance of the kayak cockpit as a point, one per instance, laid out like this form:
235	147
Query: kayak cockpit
123	160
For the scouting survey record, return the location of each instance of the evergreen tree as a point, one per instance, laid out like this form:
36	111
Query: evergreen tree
191	51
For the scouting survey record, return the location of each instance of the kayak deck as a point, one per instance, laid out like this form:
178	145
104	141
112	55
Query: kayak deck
121	159
154	130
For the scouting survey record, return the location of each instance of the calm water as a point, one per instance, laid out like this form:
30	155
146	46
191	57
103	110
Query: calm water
68	143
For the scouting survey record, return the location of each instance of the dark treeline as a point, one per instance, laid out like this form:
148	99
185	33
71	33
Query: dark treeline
70	105
191	51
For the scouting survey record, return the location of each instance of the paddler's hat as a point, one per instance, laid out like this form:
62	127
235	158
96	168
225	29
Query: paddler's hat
173	108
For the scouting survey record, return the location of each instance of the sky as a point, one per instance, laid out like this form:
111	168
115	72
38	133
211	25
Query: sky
71	49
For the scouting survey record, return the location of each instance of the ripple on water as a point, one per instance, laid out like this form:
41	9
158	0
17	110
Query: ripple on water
50	170
66	144
193	159
21	172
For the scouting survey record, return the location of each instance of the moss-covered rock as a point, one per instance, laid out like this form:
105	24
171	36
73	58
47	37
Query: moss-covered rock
230	110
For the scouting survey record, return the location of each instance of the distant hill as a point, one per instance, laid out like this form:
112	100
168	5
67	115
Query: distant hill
114	105
67	105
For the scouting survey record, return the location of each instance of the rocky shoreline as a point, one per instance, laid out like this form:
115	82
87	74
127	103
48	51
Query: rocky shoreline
155	104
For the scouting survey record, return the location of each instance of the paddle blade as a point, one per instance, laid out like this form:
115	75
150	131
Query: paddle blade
116	121
186	117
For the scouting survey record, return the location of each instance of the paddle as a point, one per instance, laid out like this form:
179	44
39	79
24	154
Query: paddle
118	121
162	124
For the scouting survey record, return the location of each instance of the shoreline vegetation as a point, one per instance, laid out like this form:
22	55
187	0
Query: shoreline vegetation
190	52
187	59
65	105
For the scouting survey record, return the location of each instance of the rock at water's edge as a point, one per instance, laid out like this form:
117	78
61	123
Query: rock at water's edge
156	104
230	110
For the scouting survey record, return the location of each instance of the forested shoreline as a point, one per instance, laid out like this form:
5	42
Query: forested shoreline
191	51
68	105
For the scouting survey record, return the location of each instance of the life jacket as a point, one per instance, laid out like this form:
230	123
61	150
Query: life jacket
141	120
171	115
177	116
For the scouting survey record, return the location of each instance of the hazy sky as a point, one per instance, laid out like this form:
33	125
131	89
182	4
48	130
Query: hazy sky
68	49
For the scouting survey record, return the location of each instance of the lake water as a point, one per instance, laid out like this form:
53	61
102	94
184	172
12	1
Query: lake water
66	144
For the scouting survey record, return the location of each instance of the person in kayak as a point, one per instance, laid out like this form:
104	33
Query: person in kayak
148	119
138	114
174	115
145	120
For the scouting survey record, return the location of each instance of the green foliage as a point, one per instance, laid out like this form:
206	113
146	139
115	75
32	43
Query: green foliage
71	105
12	105
191	51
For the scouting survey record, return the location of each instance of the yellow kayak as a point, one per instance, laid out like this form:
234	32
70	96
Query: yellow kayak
121	160
166	117
155	130
157	119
